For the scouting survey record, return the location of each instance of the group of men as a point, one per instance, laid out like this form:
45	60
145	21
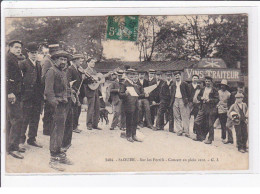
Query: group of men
58	84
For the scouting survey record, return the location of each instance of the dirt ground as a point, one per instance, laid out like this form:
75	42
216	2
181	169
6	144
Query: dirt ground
104	151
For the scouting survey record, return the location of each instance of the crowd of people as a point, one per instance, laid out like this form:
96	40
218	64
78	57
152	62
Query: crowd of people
57	85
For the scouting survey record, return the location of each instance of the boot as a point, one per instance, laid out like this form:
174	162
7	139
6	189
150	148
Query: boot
136	139
55	164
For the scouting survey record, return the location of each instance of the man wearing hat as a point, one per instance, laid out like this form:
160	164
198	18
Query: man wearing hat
75	73
238	113
207	115
56	93
130	104
180	96
114	99
223	105
32	95
164	107
46	64
14	108
229	125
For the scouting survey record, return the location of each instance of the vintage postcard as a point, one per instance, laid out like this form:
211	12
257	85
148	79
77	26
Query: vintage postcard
127	93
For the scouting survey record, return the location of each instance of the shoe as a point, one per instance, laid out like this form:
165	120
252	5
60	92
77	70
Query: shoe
77	130
241	150
223	140
89	128
64	149
136	139
65	160
112	128
196	139
55	164
227	142
34	143
130	139
187	135
22	148
208	142
171	130
46	133
179	134
141	125
16	154
98	128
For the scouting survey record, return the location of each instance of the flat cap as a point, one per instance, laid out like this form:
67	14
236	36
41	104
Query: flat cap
15	41
77	56
239	95
61	53
151	71
130	70
209	78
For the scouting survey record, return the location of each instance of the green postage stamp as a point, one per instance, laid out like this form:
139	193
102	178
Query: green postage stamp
122	28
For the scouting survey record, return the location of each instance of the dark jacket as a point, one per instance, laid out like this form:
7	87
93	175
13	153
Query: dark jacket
56	86
184	92
213	100
13	76
74	74
130	103
46	64
165	92
155	94
192	91
32	87
114	89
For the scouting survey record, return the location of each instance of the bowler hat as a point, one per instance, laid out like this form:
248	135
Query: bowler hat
32	47
15	41
61	53
77	56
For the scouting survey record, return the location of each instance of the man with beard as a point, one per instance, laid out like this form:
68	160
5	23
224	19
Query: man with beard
32	95
207	115
56	92
14	108
164	107
46	64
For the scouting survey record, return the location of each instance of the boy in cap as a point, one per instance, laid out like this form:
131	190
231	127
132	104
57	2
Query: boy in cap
14	109
207	115
238	113
56	92
32	95
130	104
223	105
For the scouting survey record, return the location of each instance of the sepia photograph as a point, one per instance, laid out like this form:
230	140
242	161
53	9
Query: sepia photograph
129	93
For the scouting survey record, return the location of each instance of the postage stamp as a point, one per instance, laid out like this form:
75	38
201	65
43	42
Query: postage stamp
122	28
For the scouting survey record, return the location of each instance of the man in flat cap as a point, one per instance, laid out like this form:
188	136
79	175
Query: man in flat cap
238	113
46	64
164	107
32	95
180	96
207	115
130	103
56	92
14	108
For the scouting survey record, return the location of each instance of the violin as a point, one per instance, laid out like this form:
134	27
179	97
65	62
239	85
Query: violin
83	72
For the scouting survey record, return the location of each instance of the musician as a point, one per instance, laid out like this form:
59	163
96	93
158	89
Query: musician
75	73
32	95
14	108
46	64
207	115
122	118
143	104
130	104
164	107
93	99
180	96
56	92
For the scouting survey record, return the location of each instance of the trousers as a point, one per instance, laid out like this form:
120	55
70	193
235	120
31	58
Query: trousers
164	107
57	132
68	124
122	117
131	123
76	113
242	135
204	122
31	118
181	115
117	113
144	111
223	121
14	124
93	110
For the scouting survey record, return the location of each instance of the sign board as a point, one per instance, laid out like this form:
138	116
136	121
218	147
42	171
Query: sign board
122	28
216	74
211	63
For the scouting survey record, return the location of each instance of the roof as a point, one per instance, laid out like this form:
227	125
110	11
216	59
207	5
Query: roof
145	65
